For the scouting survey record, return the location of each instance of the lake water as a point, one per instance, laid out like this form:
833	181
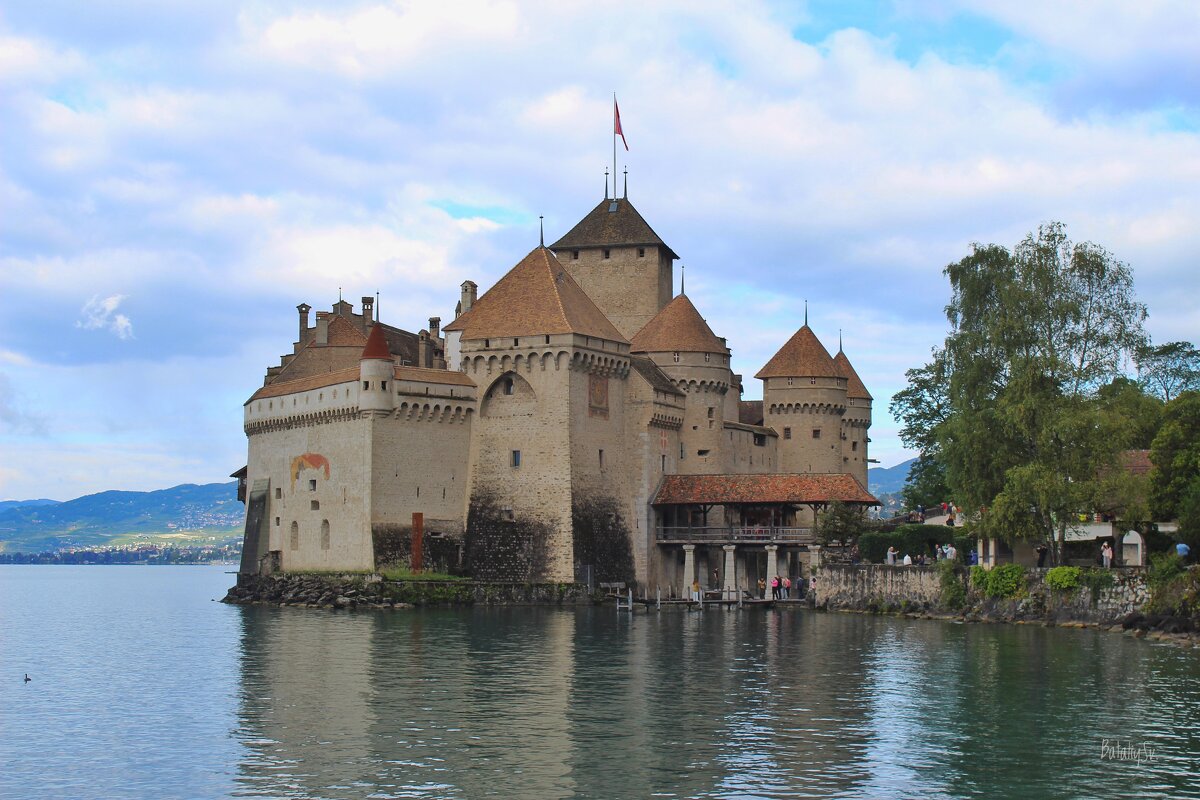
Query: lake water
145	687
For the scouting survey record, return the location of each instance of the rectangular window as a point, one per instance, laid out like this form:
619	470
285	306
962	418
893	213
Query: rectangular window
681	451
702	453
816	433
675	356
664	463
314	505
854	447
606	253
787	433
366	384
601	459
708	357
574	255
789	381
507	515
277	522
383	386
516	342
278	493
516	458
312	485
760	440
641	252
547	338
812	380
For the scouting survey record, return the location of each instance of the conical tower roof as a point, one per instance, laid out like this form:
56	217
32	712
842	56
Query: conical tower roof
802	357
677	327
376	346
855	388
535	297
613	222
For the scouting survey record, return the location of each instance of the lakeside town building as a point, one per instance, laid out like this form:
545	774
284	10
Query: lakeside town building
578	421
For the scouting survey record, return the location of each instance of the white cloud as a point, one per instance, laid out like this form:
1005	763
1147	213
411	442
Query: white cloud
101	314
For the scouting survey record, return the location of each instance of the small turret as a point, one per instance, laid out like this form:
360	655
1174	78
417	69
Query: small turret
376	370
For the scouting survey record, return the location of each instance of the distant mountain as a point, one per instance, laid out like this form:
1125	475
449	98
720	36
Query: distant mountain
7	504
885	480
181	513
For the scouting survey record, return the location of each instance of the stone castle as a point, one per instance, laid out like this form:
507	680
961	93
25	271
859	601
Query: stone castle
575	422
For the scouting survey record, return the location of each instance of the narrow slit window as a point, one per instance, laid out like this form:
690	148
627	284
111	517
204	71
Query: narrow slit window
516	458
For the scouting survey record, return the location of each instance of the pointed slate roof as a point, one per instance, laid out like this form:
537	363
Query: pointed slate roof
677	327
613	222
802	357
536	297
855	388
376	346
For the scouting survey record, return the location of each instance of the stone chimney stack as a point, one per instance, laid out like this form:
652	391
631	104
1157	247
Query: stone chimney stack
368	307
435	327
469	290
303	308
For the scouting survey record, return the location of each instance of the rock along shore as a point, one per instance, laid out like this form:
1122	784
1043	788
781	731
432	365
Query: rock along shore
351	591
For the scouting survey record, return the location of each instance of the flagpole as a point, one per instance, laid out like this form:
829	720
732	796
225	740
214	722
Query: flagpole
614	145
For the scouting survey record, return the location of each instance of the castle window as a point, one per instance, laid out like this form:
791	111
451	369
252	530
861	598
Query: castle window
506	514
516	458
816	433
681	451
607	252
675	356
702	453
314	505
508	385
601	459
547	338
760	440
515	343
711	412
664	463
789	381
294	537
574	255
277	522
324	534
641	252
320	397
278	493
312	485
812	381
787	433
854	447
487	342
707	357
366	384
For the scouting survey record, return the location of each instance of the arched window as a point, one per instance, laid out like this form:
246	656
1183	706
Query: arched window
294	538
324	534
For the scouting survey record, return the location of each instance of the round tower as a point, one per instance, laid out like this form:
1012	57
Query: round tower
681	344
804	400
856	422
376	394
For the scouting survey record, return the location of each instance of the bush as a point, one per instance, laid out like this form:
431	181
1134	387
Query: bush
1063	579
914	540
953	593
1003	582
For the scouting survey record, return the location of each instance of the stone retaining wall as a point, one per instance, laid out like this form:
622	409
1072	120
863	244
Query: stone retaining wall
873	587
349	591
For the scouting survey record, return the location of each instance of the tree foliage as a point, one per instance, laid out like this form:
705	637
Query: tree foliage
1169	369
1175	454
840	522
1010	405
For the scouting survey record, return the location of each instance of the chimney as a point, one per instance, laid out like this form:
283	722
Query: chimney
468	295
435	327
368	305
303	308
322	328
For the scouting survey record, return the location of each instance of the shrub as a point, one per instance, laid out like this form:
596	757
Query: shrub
1002	582
1063	579
953	594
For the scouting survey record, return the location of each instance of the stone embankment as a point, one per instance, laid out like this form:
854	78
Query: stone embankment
358	591
922	591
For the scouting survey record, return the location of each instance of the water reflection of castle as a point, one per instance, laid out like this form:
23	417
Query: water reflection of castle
575	418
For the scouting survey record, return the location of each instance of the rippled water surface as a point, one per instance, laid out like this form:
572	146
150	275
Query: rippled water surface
143	687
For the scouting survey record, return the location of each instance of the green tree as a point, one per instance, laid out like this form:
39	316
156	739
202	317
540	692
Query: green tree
1169	369
1175	455
1138	414
923	407
1035	333
840	522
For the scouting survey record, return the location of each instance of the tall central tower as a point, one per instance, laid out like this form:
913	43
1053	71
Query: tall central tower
621	263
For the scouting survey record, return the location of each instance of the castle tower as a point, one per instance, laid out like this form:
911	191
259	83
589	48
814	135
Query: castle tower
621	263
376	368
682	345
804	400
548	463
856	422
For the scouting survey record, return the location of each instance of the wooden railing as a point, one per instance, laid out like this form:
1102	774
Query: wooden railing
736	535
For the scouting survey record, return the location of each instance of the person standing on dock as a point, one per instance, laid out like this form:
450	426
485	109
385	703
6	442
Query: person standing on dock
775	587
762	589
787	588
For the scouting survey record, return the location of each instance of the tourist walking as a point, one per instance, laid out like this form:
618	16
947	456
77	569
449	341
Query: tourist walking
1106	553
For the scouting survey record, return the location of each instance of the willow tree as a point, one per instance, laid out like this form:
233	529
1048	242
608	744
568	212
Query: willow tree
1034	333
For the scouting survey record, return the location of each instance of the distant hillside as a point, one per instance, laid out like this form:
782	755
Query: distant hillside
181	513
7	504
885	480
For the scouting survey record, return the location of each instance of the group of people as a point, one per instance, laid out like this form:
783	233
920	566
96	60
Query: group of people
940	552
781	587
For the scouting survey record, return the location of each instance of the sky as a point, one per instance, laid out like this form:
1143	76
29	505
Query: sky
175	177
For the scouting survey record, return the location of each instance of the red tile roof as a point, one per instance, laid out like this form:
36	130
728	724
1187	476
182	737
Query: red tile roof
677	327
344	332
750	412
855	388
305	384
536	297
803	356
734	489
376	346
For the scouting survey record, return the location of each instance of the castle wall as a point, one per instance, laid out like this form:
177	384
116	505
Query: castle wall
705	379
745	451
652	423
807	416
629	289
856	425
